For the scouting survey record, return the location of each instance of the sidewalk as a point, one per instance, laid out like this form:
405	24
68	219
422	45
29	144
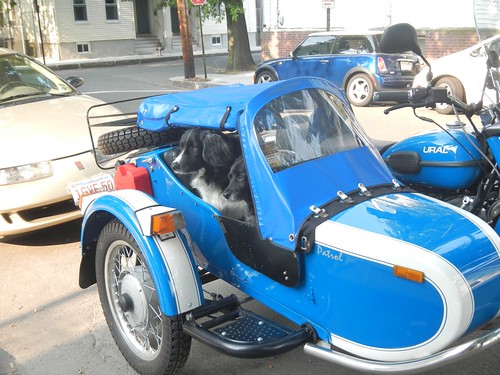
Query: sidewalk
195	83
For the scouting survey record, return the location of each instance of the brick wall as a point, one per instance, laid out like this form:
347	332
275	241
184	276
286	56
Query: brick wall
439	43
434	43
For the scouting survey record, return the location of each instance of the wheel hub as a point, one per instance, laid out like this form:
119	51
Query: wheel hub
133	301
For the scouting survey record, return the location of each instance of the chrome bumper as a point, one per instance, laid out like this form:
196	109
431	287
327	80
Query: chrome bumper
444	357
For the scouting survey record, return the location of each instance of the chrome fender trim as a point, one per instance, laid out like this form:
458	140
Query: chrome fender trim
444	357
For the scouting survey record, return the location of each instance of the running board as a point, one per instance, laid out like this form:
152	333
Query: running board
227	327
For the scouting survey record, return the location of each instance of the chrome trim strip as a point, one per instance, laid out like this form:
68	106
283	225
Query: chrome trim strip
444	357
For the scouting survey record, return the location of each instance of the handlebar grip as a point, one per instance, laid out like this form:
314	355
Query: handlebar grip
398	96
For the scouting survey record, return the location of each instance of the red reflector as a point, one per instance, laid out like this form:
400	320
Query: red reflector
381	64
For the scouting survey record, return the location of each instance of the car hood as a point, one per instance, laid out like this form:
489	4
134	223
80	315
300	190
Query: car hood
44	130
274	61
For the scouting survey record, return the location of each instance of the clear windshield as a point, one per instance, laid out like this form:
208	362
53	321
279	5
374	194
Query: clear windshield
305	125
21	76
487	18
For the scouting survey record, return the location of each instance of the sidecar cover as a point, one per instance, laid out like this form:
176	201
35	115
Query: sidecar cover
299	137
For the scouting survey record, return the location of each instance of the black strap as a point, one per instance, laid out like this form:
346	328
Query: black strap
224	118
167	116
341	203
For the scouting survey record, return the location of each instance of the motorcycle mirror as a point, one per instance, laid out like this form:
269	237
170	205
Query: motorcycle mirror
493	59
399	38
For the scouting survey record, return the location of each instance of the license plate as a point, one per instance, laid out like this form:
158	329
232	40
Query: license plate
406	65
96	184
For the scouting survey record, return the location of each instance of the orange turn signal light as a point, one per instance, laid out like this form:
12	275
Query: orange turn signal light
167	222
408	273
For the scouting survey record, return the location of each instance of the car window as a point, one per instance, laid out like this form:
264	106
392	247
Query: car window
352	45
302	126
315	45
20	76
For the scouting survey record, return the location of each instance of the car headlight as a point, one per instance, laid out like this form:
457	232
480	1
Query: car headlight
24	173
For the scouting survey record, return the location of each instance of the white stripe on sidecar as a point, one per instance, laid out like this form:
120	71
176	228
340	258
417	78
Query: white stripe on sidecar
481	224
451	284
183	281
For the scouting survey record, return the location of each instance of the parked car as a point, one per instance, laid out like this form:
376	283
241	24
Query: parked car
462	73
352	61
44	144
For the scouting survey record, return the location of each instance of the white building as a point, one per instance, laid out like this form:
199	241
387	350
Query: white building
73	29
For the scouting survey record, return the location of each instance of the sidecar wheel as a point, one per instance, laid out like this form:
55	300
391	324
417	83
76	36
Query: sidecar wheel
133	138
151	342
454	88
359	90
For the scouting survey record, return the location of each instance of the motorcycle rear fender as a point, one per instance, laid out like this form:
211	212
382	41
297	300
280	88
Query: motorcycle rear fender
168	257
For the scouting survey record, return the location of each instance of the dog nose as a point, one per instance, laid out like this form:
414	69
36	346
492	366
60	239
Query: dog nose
175	165
226	194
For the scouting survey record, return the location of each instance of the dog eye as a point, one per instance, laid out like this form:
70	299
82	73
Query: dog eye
241	177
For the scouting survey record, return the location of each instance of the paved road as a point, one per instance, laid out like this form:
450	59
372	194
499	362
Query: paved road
48	325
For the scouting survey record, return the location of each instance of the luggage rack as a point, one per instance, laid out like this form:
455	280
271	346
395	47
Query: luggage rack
99	124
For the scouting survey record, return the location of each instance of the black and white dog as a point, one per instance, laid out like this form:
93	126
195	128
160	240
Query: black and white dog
207	156
238	193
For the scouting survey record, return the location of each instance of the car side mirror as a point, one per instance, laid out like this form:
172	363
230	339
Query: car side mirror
75	81
293	55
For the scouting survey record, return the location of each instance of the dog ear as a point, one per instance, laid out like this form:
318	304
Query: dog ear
216	150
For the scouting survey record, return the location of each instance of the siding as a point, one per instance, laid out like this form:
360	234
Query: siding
96	28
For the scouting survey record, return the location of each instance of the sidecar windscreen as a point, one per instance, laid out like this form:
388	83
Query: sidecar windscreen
304	146
302	126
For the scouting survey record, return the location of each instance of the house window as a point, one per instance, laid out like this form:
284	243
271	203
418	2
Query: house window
111	10
80	10
83	48
216	40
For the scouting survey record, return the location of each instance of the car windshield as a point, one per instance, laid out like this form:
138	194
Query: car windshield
304	125
22	77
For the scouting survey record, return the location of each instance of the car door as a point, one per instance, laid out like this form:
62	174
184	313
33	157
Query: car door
310	58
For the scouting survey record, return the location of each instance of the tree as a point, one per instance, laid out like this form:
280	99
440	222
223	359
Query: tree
239	53
6	6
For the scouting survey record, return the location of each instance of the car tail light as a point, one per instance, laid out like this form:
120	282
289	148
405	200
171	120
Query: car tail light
381	65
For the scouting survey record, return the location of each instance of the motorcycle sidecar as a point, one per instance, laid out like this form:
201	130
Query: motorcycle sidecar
374	277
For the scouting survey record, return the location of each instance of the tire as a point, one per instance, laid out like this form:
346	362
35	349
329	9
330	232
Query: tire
454	88
133	138
266	76
359	90
151	342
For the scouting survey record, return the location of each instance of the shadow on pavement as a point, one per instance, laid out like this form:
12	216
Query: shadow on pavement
57	235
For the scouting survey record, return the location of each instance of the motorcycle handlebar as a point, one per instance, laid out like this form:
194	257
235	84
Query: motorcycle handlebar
398	96
417	97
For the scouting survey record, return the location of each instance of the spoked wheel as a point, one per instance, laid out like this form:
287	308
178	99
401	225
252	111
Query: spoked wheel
151	342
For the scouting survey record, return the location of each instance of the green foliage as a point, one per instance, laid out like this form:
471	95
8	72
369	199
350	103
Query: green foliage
210	10
7	4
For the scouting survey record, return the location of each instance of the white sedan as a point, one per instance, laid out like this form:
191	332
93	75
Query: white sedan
44	144
462	73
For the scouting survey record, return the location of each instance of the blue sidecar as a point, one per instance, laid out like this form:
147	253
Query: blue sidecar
373	276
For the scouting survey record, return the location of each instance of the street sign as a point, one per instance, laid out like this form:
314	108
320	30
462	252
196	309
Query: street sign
327	4
198	2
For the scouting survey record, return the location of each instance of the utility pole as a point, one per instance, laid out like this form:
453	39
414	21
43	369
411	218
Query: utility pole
186	40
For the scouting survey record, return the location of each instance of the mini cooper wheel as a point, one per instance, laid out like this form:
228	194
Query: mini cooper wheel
266	76
453	88
359	90
151	342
